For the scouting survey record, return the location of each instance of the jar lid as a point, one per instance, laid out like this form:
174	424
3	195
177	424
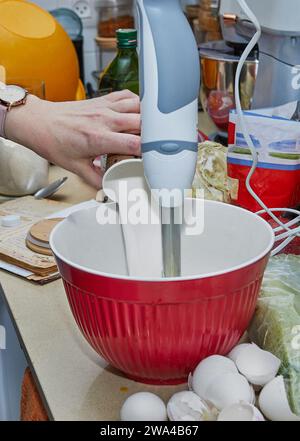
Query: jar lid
69	20
112	3
127	37
220	51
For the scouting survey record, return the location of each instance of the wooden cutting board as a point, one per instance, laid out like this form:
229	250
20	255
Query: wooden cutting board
13	247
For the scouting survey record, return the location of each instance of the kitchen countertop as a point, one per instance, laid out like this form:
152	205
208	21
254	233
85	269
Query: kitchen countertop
74	382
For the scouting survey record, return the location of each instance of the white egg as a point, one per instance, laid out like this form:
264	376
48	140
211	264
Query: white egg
188	406
240	412
253	396
273	401
257	365
144	406
234	353
227	389
207	370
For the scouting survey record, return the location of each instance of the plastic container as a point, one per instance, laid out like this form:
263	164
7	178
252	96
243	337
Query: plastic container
114	15
157	330
34	46
22	172
69	20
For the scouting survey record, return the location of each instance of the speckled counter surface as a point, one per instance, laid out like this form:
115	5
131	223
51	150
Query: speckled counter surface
74	382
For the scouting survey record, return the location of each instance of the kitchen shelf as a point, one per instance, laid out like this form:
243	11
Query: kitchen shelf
106	43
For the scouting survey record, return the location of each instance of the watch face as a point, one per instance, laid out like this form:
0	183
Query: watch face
12	94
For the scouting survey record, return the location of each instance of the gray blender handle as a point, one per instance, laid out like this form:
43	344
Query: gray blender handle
177	63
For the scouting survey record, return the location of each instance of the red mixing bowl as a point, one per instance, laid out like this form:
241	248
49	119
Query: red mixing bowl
156	331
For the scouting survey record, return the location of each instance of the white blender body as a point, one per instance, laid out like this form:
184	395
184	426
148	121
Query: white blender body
169	87
278	47
282	16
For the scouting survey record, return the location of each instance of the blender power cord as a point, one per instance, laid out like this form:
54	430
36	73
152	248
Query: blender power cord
289	234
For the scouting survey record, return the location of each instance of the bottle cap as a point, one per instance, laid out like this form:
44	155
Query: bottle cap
10	221
127	37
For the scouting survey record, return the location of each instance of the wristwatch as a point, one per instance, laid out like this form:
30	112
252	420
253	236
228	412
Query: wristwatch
10	96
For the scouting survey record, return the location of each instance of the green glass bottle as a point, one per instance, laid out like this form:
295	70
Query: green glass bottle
123	71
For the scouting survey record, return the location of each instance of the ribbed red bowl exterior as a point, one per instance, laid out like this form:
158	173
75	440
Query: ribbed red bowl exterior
157	332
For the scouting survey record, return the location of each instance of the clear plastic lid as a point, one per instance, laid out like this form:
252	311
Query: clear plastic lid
69	20
219	50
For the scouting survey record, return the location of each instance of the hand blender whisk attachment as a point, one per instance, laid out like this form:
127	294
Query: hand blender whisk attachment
169	87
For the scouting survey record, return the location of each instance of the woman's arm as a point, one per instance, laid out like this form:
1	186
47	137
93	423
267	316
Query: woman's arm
73	134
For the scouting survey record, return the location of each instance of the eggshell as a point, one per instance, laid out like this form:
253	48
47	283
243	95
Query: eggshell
253	396
207	370
143	406
227	389
257	365
240	412
188	406
234	353
273	401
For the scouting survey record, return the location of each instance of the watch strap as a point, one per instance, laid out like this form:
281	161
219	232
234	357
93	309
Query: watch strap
3	113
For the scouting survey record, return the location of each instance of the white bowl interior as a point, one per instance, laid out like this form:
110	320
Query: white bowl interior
232	238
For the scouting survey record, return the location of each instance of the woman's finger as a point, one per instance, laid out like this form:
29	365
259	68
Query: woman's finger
125	122
120	95
128	105
90	174
121	143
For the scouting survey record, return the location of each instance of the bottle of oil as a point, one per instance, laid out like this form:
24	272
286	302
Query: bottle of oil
122	73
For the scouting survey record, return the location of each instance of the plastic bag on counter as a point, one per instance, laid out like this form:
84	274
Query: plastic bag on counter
277	141
22	171
276	323
211	173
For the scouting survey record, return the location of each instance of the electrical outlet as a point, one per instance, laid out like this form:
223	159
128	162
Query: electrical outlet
82	8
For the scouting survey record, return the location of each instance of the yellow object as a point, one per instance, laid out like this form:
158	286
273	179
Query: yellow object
80	94
33	46
2	74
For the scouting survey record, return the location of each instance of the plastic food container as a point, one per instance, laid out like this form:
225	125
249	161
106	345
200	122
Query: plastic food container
114	15
34	46
157	330
22	171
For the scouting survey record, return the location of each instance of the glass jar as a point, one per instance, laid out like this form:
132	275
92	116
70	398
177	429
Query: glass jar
208	23
114	15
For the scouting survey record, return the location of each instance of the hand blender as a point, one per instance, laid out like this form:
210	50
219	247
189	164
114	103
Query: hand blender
169	87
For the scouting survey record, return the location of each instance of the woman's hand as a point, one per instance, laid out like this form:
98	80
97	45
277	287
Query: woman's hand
73	134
